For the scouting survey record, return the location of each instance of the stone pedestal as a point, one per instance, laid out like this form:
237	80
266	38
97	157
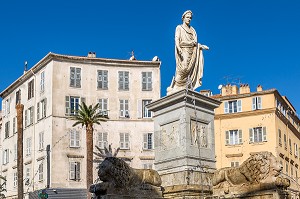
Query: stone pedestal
184	143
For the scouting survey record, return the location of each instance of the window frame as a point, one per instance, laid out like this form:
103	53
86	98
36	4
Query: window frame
145	112
260	137
75	77
124	108
124	141
30	89
233	106
147	81
74	139
233	137
148	141
102	79
123	80
257	103
102	140
74	174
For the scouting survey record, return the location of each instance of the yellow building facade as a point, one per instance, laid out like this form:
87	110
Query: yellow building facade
248	122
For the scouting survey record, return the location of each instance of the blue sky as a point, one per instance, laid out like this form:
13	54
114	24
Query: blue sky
251	41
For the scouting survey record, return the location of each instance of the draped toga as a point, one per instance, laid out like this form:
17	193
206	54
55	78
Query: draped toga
189	64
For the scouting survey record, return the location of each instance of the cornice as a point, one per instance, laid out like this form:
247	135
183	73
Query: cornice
245	114
78	59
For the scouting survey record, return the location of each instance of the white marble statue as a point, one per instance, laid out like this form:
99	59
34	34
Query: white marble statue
189	57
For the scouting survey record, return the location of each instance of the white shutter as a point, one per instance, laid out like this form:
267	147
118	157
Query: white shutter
105	139
82	99
68	111
38	110
264	138
26	118
126	108
4	108
239	106
72	76
122	141
127	140
226	107
227	137
45	107
78	77
139	109
250	135
122	114
240	137
105	79
259	103
145	141
100	138
144	81
72	138
254	103
72	170
121	80
126	80
77	170
77	138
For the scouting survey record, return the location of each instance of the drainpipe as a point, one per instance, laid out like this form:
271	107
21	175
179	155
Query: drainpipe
48	165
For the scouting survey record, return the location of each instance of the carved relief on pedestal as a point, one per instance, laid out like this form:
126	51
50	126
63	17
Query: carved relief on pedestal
199	134
170	135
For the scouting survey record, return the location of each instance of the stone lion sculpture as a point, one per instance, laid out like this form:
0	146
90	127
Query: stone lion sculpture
261	169
118	177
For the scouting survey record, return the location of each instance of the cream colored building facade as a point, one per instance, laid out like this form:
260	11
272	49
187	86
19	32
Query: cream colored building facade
51	91
248	122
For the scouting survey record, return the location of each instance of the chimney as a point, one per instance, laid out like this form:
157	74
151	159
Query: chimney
244	88
207	93
234	90
91	54
229	90
259	88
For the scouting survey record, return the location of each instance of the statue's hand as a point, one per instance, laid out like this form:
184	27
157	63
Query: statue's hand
204	47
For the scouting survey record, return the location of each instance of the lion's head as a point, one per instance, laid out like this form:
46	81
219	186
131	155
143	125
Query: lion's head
260	166
115	170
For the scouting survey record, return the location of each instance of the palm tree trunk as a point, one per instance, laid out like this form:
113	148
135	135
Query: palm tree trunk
20	108
89	157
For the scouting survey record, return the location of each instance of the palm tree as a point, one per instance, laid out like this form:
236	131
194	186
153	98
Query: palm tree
88	116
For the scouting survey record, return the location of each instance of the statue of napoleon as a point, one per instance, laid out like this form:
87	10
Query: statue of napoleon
189	57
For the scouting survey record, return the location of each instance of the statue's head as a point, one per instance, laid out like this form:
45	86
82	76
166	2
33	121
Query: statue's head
185	13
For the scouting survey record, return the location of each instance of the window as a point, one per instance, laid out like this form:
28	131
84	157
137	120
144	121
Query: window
75	77
146	112
29	116
74	171
148	141
30	89
233	106
28	146
103	107
234	137
146	81
102	79
279	137
42	82
285	141
290	144
15	180
41	172
72	104
287	168
7	127
124	80
5	158
234	164
296	149
258	134
7	106
102	140
14	125
18	97
41	140
292	171
124	140
41	109
256	103
74	138
124	108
